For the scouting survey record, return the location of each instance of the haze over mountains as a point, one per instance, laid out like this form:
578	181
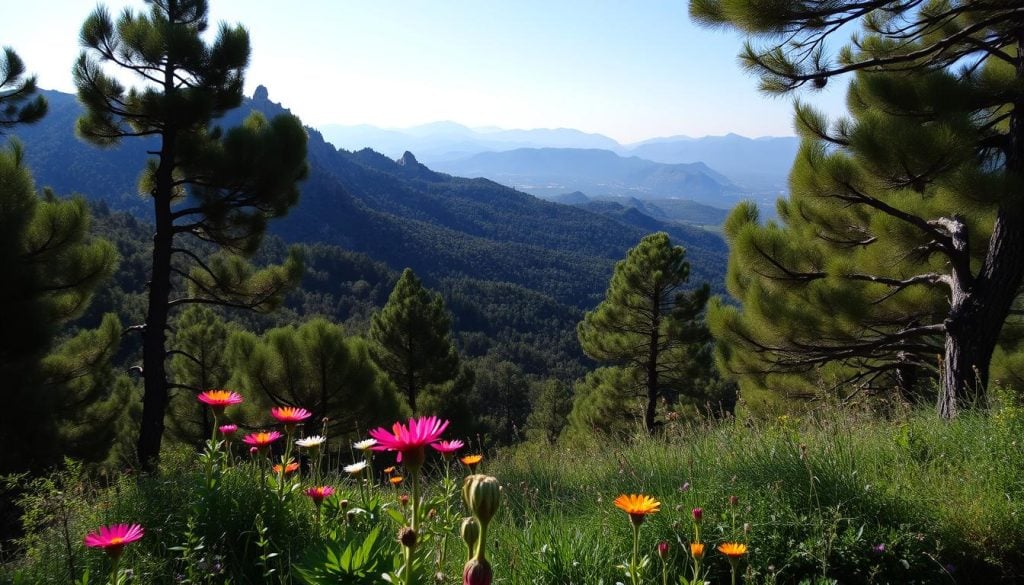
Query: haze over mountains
757	166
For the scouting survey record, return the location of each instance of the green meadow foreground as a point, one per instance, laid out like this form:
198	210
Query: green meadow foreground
838	499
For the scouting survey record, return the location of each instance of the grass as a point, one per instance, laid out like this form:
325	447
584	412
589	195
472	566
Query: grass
835	499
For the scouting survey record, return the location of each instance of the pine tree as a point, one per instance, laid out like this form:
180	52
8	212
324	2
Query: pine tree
607	401
205	183
551	403
317	367
198	362
410	339
17	104
51	268
645	323
903	233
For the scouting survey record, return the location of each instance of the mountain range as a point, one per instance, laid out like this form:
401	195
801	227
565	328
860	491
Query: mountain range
756	165
397	211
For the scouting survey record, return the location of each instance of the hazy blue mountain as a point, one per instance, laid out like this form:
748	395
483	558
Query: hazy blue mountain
547	172
665	210
440	141
758	164
399	212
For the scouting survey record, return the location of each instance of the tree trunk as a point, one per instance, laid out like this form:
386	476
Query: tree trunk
977	314
154	352
652	365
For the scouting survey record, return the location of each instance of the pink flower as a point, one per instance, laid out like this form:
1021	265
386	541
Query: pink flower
448	447
219	399
290	415
113	538
320	493
410	441
227	430
261	440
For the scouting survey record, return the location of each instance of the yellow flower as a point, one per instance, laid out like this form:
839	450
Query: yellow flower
697	550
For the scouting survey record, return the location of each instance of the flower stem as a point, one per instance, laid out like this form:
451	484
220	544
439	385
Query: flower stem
636	548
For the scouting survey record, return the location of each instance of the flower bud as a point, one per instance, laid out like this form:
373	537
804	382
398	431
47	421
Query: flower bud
477	572
746	528
734	501
407	536
663	550
343	505
470	532
404	500
481	493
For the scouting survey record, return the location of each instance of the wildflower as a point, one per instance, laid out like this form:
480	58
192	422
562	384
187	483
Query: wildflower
447	448
698	514
685	487
637	506
697	550
878	548
311	442
356	468
290	415
733	550
389	470
112	539
396	479
471	461
218	400
320	493
663	550
403	500
477	572
292	467
365	444
734	501
407	536
261	440
410	440
228	430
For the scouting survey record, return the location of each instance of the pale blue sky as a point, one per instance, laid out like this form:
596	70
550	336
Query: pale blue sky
630	70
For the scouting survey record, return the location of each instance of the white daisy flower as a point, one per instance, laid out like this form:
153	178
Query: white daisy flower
355	468
365	444
311	442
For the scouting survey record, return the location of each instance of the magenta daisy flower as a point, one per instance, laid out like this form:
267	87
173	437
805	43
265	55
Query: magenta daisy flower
290	415
320	493
261	440
227	430
112	539
447	448
411	440
219	399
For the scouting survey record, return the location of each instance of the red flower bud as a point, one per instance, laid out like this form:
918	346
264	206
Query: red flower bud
477	572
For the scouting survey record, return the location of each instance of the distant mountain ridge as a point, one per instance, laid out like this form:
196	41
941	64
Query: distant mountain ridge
551	171
756	164
397	211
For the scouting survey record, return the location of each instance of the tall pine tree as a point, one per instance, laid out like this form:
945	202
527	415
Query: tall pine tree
205	183
646	323
410	339
904	230
18	102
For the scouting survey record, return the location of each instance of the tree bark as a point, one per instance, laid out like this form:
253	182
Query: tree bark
978	310
652	363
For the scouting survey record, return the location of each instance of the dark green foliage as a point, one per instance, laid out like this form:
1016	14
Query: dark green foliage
218	186
199	362
17	104
551	403
904	230
317	367
58	396
501	399
410	339
647	324
607	401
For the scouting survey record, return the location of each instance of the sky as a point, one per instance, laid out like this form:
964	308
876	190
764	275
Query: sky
629	70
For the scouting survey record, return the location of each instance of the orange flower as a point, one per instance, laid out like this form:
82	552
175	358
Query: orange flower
396	479
471	461
389	470
290	468
637	506
697	550
733	550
